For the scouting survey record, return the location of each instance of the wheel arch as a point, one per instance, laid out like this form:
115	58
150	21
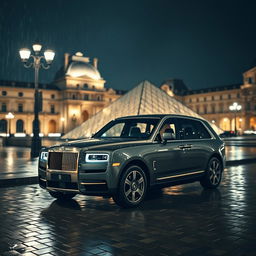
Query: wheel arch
219	157
139	162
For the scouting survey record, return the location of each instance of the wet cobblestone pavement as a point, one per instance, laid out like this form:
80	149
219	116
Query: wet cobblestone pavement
182	220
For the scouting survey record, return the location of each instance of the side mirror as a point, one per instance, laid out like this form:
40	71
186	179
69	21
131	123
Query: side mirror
168	136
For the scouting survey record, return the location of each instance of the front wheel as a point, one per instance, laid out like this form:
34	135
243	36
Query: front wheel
212	177
132	187
62	196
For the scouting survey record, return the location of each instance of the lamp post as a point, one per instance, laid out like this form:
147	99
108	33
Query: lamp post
36	61
9	117
235	107
62	119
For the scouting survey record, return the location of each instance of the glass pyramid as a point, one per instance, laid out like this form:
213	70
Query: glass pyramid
145	98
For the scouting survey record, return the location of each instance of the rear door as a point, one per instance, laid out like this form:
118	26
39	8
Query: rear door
195	142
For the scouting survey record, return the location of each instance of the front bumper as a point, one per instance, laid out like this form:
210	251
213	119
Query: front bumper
88	179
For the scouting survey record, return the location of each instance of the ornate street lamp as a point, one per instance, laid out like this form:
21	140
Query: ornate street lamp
36	61
9	117
235	107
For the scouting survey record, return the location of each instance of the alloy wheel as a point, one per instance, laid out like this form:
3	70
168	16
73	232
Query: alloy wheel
134	186
215	172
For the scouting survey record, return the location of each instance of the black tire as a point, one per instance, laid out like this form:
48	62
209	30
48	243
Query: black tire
62	196
213	175
132	187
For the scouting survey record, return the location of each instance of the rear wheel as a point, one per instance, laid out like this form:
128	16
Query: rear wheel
62	196
213	174
132	187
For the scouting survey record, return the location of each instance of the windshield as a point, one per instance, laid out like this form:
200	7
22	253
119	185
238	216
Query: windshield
129	128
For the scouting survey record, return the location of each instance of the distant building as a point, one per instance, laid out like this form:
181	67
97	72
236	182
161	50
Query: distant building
213	103
76	94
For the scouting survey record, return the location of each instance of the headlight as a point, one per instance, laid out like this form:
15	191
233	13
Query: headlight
94	158
44	156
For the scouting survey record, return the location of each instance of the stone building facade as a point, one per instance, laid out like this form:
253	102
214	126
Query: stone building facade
213	103
77	92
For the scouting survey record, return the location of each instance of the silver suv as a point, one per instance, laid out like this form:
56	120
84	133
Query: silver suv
131	155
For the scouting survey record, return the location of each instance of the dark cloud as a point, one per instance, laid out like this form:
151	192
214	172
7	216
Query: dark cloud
206	43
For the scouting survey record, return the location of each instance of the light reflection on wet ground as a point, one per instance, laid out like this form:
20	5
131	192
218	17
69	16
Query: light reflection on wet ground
238	153
182	220
16	162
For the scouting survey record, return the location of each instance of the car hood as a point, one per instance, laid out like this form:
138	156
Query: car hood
103	144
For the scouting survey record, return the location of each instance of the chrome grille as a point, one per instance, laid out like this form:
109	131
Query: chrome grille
65	161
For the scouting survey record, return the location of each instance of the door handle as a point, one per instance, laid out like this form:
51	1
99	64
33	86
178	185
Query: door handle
187	146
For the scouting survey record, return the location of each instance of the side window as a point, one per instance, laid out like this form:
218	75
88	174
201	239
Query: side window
169	126
192	129
142	127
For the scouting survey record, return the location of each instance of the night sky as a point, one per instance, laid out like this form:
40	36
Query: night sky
205	43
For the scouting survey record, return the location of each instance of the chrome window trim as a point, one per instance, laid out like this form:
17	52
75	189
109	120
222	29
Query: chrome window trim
191	118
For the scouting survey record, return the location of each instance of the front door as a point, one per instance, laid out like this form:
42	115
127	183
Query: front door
167	159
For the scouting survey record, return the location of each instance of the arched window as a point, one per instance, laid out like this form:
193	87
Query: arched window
85	115
3	126
19	126
52	128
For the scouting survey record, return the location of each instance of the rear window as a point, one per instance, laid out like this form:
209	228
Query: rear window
192	129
